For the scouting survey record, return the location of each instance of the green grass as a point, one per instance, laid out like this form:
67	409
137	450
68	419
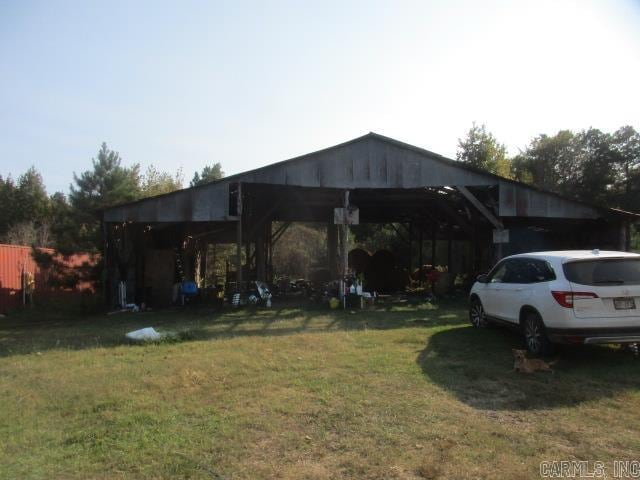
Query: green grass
408	391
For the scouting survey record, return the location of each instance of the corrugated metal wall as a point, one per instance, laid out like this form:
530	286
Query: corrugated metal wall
16	259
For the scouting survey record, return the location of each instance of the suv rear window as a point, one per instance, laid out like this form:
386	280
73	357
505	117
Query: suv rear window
522	270
614	271
539	271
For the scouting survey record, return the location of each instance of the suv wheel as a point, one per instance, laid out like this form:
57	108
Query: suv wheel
534	335
476	314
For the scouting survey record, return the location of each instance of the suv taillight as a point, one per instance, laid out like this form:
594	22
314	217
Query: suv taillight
566	298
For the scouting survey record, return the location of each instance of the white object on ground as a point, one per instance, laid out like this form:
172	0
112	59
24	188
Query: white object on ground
235	301
144	335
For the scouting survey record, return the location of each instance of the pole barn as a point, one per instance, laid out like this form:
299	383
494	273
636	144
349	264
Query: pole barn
480	217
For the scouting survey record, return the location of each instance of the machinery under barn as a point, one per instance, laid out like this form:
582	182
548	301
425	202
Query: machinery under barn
458	218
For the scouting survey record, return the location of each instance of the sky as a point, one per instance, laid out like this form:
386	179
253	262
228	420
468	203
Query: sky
186	84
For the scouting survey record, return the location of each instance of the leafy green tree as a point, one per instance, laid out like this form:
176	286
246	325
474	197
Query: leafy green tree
596	162
548	162
7	204
31	199
25	210
626	147
301	248
209	174
107	184
155	182
381	236
480	149
64	228
590	165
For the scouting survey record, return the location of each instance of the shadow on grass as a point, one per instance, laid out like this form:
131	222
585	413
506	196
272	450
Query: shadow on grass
476	366
41	331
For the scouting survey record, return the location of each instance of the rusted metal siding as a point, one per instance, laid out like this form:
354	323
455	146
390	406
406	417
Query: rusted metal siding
15	259
522	201
199	204
369	162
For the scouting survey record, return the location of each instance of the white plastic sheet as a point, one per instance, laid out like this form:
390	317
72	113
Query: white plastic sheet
144	335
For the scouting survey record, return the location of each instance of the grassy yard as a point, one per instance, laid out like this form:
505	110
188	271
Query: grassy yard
401	392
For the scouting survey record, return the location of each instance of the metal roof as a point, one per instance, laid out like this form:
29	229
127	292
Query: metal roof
371	161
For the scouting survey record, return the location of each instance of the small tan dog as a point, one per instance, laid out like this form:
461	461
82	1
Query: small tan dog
523	364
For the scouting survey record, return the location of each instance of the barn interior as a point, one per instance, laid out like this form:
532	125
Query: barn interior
458	219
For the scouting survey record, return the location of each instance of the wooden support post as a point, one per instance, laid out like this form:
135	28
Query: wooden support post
261	274
410	231
190	261
106	259
345	239
420	259
345	246
433	245
449	249
141	265
239	242
269	229
332	249
204	247
214	263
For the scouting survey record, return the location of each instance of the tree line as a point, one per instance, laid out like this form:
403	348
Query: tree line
71	222
590	165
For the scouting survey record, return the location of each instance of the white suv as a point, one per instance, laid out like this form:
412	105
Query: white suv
562	297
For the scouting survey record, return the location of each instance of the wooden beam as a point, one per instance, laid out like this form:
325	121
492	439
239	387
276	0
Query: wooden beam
279	233
239	242
345	242
481	208
332	249
280	228
259	252
257	224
